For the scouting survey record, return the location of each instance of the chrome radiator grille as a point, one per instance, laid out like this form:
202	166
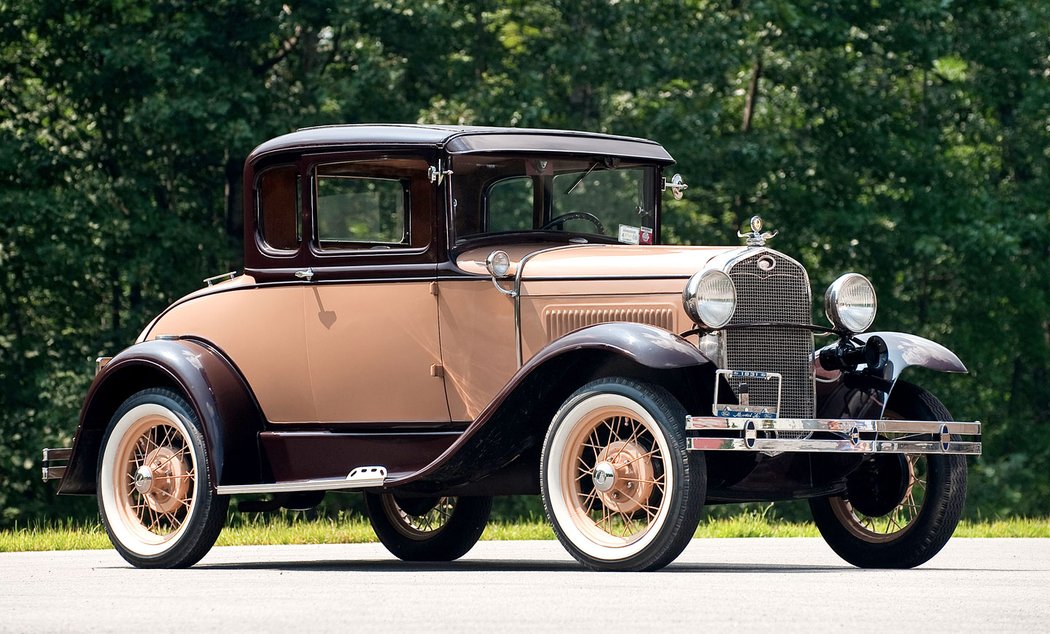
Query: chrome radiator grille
780	295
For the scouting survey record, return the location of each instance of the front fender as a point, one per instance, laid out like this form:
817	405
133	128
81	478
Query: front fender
860	395
204	376
520	413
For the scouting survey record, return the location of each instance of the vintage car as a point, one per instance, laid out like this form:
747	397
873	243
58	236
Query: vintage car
435	315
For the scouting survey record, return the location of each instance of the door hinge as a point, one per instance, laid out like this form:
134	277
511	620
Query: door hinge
437	370
434	289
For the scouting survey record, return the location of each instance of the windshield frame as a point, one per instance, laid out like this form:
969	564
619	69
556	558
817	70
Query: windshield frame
461	194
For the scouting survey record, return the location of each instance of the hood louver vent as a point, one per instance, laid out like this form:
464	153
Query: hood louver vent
561	321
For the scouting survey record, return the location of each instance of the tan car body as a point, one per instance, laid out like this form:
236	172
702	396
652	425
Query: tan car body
406	352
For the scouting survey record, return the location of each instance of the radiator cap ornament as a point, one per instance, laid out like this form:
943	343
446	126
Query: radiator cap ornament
756	238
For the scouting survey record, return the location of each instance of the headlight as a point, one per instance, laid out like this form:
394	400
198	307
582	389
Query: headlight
850	303
710	298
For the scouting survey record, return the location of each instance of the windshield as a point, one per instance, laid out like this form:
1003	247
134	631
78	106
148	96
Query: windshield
590	196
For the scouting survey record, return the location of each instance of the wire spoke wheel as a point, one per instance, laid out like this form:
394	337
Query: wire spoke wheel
417	523
437	528
156	479
616	475
888	526
618	485
897	511
154	490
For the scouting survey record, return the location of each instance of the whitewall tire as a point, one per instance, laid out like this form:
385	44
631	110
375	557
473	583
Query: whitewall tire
154	487
618	484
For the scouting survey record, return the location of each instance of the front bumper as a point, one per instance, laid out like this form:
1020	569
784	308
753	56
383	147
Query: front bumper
821	435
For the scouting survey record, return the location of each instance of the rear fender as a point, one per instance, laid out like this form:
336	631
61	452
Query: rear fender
518	417
859	394
199	372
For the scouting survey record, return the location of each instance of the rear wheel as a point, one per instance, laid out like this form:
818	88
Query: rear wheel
155	493
898	511
427	528
618	484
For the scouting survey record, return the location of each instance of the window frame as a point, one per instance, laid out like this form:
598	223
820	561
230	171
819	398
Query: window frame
366	245
261	244
421	220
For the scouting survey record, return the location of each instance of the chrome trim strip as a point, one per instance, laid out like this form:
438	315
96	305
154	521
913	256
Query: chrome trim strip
517	295
359	478
778	445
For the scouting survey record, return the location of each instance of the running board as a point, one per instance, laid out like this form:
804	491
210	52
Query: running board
359	478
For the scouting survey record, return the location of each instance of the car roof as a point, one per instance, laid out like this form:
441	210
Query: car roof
464	140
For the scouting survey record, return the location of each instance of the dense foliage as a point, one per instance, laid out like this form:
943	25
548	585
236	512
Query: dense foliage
909	140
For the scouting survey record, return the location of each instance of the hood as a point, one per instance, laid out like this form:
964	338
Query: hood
542	261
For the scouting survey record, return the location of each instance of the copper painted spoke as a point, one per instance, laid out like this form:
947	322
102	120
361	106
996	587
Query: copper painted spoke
170	458
628	523
595	439
590	499
652	514
644	455
633	438
637	480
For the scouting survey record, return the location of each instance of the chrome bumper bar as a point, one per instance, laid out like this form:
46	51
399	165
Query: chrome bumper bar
714	433
54	464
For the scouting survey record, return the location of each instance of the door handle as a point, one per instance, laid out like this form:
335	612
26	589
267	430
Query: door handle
306	274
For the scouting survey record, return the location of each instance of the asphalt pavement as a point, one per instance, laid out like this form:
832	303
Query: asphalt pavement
782	585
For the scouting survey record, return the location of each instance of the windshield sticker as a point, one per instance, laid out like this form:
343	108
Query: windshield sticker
646	235
629	234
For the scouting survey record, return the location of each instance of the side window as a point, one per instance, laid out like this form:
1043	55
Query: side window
278	208
368	204
354	209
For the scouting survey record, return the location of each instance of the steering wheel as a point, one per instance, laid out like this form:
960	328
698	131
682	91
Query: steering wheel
575	215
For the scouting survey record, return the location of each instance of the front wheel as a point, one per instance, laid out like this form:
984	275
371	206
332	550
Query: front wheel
155	493
427	528
618	484
898	511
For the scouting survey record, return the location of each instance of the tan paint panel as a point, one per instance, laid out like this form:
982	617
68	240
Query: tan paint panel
599	288
371	349
261	330
477	342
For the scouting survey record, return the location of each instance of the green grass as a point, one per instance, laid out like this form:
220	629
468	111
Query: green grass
353	530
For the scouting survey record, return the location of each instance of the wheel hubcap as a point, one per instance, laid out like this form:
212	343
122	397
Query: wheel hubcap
143	480
604	476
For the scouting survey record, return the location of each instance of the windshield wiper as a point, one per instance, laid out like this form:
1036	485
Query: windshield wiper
580	179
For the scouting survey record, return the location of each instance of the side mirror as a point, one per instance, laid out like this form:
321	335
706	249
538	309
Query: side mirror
676	185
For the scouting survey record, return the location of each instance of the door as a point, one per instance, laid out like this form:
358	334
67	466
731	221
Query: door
370	310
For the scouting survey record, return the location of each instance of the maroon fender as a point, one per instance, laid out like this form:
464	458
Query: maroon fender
193	368
521	412
853	395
